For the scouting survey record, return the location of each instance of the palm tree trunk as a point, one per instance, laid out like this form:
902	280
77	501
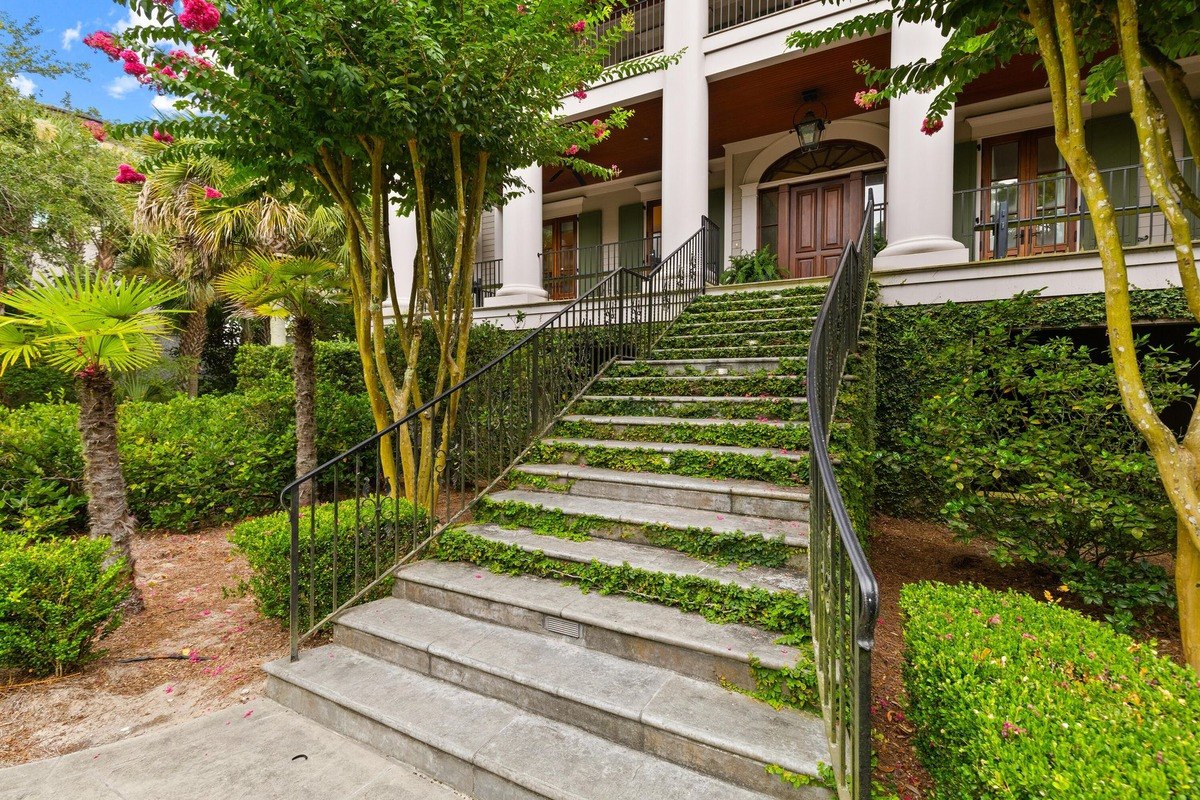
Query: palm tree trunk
108	504
191	348
304	375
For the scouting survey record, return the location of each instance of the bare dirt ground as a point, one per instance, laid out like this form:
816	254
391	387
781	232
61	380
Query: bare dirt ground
907	551
194	614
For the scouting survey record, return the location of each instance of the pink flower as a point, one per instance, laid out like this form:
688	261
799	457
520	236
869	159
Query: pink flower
129	55
522	8
616	171
572	150
1009	729
930	127
169	689
167	72
993	620
163	136
579	27
199	15
580	93
867	98
135	68
103	41
211	194
599	129
248	713
96	129
127	174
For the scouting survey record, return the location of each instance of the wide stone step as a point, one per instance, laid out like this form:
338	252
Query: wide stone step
699	430
633	514
753	498
481	746
694	723
704	366
730	407
750	324
647	633
797	335
692	385
679	447
672	352
714	314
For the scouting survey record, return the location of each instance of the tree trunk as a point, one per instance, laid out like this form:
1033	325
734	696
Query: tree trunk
304	376
108	504
191	348
1187	592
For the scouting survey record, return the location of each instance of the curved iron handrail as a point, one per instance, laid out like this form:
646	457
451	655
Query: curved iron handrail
844	592
638	318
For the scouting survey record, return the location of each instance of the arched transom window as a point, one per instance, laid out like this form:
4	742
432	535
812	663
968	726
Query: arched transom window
830	156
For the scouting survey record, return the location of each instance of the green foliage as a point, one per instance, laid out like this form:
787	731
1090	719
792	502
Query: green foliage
765	340
766	408
386	524
21	385
1014	698
753	267
704	385
749	434
785	612
730	349
38	509
1024	442
58	597
791	687
693	463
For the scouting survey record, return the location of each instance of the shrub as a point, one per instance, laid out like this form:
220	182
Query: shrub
21	385
266	543
57	600
1024	442
39	509
1014	698
753	267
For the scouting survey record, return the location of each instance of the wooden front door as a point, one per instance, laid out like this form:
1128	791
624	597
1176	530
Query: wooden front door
560	256
820	218
1029	197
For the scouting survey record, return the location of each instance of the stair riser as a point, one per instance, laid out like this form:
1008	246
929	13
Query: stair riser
798	350
721	502
702	385
780	471
751	325
623	730
691	663
805	311
730	367
434	762
795	438
780	411
796	338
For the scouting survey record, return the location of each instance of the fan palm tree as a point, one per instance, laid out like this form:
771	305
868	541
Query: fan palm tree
93	327
290	286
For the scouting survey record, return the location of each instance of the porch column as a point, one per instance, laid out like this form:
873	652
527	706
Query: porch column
920	181
685	125
278	331
402	235
521	242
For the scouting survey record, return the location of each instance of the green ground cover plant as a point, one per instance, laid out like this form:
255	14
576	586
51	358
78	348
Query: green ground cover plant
1015	698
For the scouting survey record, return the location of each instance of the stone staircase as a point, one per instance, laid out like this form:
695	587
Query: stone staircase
629	617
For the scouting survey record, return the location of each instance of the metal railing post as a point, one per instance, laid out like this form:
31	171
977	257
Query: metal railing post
294	579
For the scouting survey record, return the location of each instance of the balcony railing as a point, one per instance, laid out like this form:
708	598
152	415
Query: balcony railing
649	17
1048	215
487	279
570	272
724	14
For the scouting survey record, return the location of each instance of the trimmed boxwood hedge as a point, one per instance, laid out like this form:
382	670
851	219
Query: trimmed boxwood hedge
1016	698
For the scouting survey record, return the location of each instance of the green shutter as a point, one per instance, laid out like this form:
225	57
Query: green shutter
1113	143
591	235
716	213
631	222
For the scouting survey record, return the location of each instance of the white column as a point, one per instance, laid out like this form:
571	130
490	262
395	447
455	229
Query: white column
402	234
685	125
749	201
521	238
920	181
278	331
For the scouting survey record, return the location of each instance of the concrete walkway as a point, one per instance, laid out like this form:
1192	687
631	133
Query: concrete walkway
255	751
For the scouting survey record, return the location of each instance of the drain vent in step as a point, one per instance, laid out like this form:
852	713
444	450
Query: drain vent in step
564	626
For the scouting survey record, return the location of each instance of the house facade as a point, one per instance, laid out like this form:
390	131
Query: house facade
980	210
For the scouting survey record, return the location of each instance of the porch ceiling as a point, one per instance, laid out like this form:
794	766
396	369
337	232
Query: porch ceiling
636	150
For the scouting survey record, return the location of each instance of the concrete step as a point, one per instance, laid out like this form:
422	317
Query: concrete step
486	748
647	633
729	407
631	516
754	498
679	447
784	385
703	366
699	430
799	334
749	324
648	708
797	350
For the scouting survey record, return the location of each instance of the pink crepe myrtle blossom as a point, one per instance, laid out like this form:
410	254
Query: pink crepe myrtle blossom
167	72
163	137
930	127
522	8
1009	729
599	129
103	41
572	150
211	194
200	16
616	171
127	174
579	27
580	93
96	129
867	98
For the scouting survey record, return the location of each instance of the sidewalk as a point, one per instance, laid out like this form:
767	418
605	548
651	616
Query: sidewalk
255	751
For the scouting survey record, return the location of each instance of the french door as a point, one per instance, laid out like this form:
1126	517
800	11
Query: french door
560	257
1028	196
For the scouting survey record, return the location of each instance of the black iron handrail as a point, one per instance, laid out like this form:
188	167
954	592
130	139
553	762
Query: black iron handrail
844	592
487	279
569	271
347	550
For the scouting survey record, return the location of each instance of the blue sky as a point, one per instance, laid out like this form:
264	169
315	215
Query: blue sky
117	96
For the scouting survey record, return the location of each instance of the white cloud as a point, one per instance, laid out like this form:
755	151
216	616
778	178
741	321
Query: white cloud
165	104
130	20
22	84
71	35
119	87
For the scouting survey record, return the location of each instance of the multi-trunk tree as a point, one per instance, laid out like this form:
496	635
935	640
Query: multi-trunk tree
412	106
1090	50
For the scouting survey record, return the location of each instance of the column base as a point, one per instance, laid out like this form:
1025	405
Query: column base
922	251
516	294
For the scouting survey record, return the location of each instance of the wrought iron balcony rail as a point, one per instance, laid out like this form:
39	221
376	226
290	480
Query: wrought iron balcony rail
844	594
488	278
1048	215
649	19
348	546
570	272
724	14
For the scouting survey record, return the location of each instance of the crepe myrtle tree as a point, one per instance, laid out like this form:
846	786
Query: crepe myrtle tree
411	106
1090	50
93	326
